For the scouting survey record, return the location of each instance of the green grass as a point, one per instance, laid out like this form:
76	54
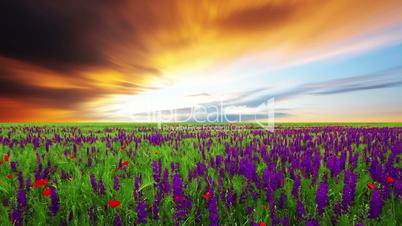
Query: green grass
76	194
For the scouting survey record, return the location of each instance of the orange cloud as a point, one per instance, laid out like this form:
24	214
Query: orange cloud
71	55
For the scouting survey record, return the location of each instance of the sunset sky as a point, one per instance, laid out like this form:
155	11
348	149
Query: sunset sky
109	60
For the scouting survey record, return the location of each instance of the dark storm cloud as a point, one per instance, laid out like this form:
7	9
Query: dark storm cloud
63	98
63	35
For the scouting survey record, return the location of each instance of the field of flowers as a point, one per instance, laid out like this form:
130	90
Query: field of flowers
191	174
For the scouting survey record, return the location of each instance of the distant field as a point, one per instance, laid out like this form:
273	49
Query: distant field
212	174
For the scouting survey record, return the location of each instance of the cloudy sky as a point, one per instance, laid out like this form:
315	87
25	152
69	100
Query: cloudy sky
109	60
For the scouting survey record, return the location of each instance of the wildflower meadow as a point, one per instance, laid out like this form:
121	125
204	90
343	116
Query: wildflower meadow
191	174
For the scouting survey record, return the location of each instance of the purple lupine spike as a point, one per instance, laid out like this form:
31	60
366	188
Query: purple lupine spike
21	180
67	152
54	202
142	212
182	204
64	175
28	184
16	217
296	187
117	221
22	199
231	197
282	200
166	184
376	204
157	170
38	175
301	213
155	205
348	190
13	166
137	183
218	161
101	187
376	171
312	223
322	196
116	183
201	169
213	209
92	216
285	221
89	162
93	182
46	172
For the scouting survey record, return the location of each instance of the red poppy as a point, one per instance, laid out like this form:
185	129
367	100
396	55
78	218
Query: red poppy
47	192
40	183
1	162
207	195
10	176
371	186
122	148
113	203
156	152
179	199
263	223
390	180
125	163
6	158
72	156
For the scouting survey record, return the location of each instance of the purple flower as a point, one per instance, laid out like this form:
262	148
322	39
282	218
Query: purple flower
137	183
376	171
54	202
322	196
93	182
301	213
13	166
376	204
296	187
213	209
349	189
20	180
166	184
231	197
28	184
157	170
92	216
16	217
312	223
22	199
89	162
182	204
116	183
117	221
64	175
101	187
142	212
